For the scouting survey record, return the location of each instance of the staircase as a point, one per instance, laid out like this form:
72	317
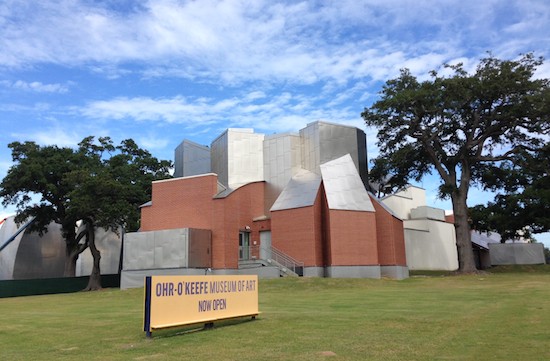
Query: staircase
288	266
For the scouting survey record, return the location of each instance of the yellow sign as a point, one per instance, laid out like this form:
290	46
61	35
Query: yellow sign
183	300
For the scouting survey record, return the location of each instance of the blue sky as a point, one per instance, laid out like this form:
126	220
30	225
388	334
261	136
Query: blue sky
161	71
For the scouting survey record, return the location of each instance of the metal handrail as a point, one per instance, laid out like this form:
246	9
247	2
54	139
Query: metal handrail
281	258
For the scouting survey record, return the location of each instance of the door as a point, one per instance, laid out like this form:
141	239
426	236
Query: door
244	246
265	244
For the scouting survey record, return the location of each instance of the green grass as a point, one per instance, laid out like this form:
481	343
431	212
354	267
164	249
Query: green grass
491	316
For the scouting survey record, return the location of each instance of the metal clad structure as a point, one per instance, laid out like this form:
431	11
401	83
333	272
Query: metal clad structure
237	157
343	186
172	248
323	142
31	256
7	256
301	191
282	160
219	157
191	159
41	256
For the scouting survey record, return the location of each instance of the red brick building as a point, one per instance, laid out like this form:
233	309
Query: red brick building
305	210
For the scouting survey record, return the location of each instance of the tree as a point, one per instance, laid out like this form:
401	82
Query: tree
109	190
98	184
458	125
523	208
42	172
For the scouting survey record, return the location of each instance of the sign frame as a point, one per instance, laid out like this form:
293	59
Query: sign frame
175	301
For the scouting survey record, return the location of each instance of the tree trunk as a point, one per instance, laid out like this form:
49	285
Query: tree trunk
72	250
70	263
466	262
94	282
71	254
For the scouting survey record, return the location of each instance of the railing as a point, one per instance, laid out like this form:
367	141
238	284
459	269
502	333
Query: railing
272	254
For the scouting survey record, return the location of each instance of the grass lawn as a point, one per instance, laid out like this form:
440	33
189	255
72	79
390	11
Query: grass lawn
503	315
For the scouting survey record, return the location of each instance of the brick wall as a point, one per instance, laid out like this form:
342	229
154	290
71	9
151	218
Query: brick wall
298	233
390	237
180	203
231	215
352	238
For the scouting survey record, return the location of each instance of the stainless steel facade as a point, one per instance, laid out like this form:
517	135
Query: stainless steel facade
190	159
282	160
31	256
300	191
343	186
172	248
237	157
323	142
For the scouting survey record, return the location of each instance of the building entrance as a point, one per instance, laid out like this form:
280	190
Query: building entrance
244	246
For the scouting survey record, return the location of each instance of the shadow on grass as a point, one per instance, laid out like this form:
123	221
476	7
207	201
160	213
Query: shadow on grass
202	327
538	268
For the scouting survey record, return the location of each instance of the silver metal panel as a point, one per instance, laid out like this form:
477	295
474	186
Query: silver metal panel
191	159
516	253
219	154
138	251
425	212
109	244
343	186
300	191
323	142
245	157
172	248
282	160
40	257
7	256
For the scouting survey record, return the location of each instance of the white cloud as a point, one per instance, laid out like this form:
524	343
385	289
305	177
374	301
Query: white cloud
36	86
238	41
52	135
278	112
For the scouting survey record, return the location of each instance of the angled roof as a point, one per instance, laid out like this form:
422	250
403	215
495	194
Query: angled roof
343	186
300	191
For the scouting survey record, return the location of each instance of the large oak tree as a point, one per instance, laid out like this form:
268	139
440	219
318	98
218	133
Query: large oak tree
521	209
97	184
460	125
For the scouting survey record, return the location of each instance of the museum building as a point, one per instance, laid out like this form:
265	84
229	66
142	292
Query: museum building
292	203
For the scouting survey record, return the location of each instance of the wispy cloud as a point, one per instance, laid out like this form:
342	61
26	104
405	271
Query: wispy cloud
239	41
36	86
280	112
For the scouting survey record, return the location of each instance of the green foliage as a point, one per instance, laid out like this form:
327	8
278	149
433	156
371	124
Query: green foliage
458	123
100	183
461	126
524	206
